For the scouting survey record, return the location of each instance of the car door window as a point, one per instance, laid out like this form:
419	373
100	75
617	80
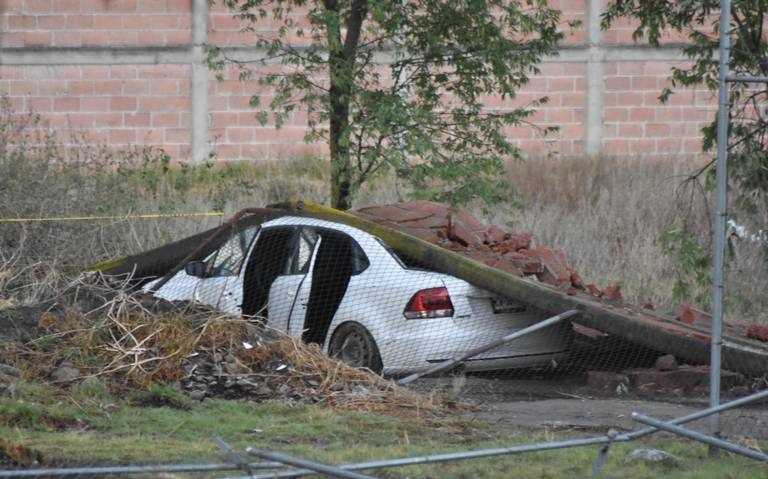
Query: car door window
228	260
302	254
358	258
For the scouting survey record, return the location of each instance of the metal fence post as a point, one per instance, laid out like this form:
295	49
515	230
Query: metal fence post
719	220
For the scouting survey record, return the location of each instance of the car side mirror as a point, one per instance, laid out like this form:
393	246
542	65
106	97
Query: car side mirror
195	268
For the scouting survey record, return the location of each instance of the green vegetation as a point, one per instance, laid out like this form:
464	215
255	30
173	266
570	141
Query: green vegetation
119	433
420	113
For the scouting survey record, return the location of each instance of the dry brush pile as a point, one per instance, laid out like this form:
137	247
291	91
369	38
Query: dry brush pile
130	340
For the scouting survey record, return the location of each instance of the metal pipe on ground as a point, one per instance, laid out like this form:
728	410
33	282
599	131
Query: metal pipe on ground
157	469
399	462
701	437
702	414
451	363
546	446
324	469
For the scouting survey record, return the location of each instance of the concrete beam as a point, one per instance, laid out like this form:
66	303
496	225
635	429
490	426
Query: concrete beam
50	56
593	108
200	147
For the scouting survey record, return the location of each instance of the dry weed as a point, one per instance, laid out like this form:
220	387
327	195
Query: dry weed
131	340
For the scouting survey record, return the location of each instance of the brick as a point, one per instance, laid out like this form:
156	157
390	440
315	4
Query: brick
239	135
556	271
122	103
163	119
125	37
98	104
21	22
141	119
758	331
51	22
108	22
103	119
39	6
691	315
142	22
178	6
122	136
606	380
107	87
164	87
67	38
95	38
642	114
80	87
153	137
645	83
494	234
164	22
180	135
37	38
163	103
94	71
65	104
79	22
136	87
37	104
685	378
123	6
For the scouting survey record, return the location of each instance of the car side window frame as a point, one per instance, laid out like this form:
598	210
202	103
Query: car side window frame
210	262
359	259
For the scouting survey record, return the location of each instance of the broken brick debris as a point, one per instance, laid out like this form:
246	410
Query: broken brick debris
508	251
758	331
684	378
690	315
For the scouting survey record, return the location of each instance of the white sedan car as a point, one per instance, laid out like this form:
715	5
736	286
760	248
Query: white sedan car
343	289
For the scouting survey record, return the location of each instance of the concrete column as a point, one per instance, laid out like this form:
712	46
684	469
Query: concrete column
199	91
593	109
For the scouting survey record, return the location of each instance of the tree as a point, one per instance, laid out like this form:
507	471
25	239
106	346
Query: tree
400	85
748	116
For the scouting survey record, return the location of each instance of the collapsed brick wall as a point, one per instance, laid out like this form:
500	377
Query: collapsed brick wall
147	104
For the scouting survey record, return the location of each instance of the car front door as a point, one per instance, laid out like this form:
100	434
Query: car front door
220	285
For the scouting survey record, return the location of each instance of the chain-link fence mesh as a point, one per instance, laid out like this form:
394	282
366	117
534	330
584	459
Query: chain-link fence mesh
363	295
374	304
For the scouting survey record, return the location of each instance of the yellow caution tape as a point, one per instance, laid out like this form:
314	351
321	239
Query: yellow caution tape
102	218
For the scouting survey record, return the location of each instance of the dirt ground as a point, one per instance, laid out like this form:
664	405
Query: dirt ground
568	404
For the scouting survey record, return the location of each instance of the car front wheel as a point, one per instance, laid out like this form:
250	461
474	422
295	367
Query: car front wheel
354	345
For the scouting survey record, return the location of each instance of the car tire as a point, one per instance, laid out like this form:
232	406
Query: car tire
353	344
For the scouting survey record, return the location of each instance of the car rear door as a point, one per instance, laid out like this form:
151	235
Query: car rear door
284	289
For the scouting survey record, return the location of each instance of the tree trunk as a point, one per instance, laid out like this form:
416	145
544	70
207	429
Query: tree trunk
341	61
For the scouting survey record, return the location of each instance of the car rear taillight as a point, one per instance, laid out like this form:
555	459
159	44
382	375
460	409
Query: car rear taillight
429	303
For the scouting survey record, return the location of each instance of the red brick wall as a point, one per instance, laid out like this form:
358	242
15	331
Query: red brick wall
94	23
144	104
120	105
636	123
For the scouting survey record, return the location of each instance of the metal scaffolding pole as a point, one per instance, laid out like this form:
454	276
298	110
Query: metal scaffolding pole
721	179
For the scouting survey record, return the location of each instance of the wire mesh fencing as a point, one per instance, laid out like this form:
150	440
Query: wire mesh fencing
373	305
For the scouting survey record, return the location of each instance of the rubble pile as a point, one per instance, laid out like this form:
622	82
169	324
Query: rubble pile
511	252
131	340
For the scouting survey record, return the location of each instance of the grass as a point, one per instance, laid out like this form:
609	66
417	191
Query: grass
608	215
144	435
